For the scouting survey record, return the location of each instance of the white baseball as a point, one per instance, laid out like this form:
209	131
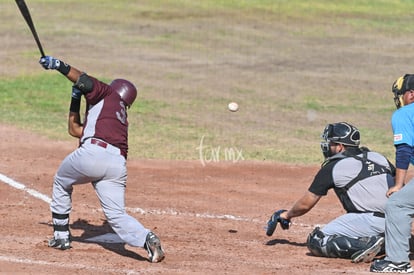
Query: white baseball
233	106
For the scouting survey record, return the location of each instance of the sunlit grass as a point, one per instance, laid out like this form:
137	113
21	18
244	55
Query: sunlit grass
190	58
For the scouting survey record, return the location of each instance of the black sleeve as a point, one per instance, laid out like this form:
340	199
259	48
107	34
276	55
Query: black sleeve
323	180
75	105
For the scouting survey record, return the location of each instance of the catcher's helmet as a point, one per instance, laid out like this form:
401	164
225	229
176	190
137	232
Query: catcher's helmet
400	86
341	132
125	89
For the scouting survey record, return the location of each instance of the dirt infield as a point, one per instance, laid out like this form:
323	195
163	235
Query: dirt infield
210	218
290	77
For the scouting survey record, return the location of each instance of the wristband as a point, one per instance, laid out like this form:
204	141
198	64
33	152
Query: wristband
75	105
64	68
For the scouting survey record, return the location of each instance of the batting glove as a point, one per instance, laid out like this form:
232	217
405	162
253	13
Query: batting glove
49	62
274	219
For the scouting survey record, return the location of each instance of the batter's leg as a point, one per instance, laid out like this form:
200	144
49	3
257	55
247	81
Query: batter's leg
111	195
69	173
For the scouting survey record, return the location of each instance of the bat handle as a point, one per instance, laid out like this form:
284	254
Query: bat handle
40	48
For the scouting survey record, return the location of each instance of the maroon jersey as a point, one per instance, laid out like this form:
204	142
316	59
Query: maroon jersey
106	116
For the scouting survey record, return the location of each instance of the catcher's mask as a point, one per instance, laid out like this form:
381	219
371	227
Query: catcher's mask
126	90
341	132
400	86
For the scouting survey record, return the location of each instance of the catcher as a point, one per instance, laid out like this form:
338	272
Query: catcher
360	179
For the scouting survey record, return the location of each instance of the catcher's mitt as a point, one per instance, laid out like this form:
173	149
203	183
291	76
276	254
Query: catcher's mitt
274	219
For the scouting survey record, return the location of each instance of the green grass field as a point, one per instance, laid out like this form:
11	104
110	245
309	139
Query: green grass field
293	67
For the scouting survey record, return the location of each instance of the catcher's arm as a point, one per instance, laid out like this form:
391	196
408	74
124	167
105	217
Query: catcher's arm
302	206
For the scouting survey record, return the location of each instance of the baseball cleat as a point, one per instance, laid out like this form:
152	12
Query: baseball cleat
367	255
61	244
154	249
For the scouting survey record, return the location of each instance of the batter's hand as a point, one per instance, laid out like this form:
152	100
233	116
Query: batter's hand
49	62
274	219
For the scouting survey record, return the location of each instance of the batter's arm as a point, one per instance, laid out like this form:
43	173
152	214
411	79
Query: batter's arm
73	74
51	63
302	206
75	127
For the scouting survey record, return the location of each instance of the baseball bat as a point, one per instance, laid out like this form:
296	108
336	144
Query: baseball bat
26	14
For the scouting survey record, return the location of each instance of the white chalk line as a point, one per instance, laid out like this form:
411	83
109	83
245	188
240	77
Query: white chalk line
23	187
66	265
170	212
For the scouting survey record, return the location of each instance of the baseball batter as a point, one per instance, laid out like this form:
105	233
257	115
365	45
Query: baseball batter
100	158
360	179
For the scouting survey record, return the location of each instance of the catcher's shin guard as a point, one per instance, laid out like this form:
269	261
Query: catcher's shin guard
315	243
335	246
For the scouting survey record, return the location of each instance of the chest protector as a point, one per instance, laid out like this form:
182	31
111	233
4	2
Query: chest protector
369	169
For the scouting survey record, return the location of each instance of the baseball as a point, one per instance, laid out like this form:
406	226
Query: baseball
233	106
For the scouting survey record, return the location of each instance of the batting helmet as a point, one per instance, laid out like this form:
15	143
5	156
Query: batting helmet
400	86
125	89
341	132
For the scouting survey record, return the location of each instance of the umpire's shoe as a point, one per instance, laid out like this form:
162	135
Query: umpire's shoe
153	246
61	244
374	246
383	266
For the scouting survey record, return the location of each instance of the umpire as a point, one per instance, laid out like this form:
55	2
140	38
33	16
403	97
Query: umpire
360	179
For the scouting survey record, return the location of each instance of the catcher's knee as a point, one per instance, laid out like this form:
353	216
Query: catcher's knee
315	243
327	246
333	246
